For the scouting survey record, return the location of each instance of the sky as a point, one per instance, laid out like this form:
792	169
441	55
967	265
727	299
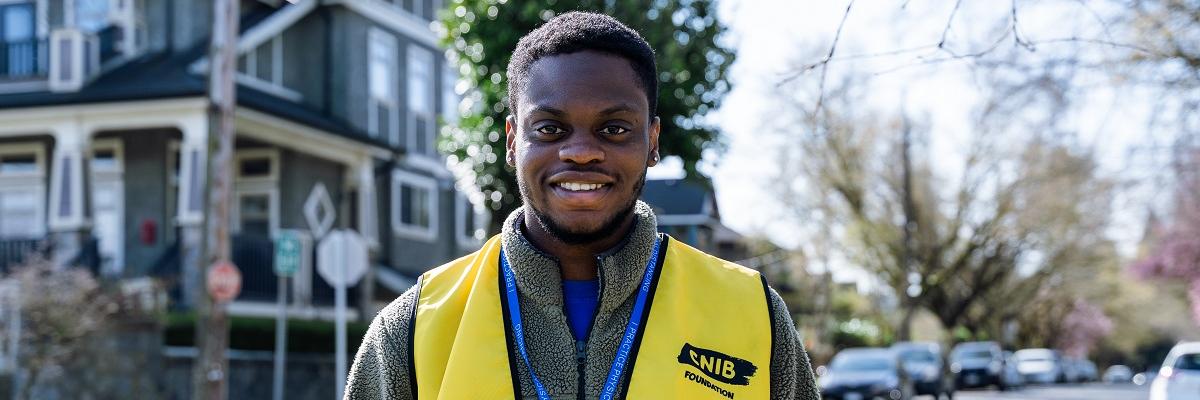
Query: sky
771	37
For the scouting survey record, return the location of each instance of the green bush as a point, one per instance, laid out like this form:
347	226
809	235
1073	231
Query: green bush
251	333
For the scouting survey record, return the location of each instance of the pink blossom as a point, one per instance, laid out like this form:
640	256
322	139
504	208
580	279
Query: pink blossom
1083	328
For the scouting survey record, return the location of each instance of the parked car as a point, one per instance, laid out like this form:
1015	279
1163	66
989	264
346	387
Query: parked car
1071	370
1179	377
977	364
923	363
866	373
1088	370
1118	374
1011	378
1042	366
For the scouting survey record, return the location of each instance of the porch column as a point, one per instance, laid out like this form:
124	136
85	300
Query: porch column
68	206
368	222
193	152
368	227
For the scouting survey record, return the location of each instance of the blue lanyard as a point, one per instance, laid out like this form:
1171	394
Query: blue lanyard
631	328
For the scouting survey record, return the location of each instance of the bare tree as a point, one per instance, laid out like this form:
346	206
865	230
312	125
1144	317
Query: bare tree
1019	214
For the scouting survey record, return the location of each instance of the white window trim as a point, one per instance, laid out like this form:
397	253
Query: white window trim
413	52
28	181
401	177
475	237
256	189
391	102
39	154
271	154
260	185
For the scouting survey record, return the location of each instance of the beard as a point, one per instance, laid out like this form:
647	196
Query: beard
575	236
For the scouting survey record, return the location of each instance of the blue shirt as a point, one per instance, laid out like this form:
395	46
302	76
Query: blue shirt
581	298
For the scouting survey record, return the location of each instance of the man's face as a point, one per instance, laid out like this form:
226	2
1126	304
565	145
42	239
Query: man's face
581	142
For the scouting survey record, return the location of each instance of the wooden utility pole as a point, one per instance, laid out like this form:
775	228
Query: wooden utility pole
913	279
210	372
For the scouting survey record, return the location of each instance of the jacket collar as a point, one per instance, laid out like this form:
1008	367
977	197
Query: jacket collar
620	268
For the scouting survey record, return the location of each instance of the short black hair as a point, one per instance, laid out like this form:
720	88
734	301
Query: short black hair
578	31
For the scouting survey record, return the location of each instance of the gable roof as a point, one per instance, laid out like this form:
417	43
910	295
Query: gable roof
677	197
166	74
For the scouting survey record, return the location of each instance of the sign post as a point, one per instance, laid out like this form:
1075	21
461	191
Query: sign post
342	261
287	260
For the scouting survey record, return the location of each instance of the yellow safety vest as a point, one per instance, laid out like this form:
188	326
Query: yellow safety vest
707	333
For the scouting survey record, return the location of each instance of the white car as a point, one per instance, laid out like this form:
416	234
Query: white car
1179	378
1040	366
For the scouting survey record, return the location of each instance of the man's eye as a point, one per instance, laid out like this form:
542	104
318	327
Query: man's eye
551	130
613	130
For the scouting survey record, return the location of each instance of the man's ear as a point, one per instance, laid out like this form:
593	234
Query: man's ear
510	139
655	126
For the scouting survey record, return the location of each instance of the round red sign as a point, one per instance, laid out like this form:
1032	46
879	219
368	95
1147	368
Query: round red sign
224	281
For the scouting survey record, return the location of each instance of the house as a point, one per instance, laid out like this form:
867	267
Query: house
687	211
104	139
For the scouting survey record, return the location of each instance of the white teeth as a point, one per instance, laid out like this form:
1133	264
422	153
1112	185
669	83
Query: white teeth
576	187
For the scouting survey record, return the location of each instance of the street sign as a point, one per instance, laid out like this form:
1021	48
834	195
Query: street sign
342	258
288	253
342	261
224	281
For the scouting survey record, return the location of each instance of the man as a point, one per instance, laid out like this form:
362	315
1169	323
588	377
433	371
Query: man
579	296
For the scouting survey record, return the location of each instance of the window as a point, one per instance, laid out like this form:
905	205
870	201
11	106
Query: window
257	164
14	164
414	206
254	213
470	222
106	156
20	212
17	33
383	112
421	100
22	191
261	68
256	192
91	15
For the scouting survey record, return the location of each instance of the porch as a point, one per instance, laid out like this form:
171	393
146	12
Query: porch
120	188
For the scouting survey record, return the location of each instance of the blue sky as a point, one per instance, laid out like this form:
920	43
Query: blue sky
772	36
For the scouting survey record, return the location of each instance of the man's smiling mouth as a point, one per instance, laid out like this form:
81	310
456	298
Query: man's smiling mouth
580	186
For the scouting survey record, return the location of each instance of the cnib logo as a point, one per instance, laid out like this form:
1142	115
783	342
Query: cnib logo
717	365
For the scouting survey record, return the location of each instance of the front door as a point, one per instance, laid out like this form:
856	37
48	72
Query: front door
108	206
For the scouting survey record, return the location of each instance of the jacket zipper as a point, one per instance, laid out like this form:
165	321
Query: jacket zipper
581	345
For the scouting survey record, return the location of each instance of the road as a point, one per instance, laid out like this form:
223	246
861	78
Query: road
1090	391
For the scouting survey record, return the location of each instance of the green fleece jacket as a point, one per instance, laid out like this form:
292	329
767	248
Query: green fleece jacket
382	368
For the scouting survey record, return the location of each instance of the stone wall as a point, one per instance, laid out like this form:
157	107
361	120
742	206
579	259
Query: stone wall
308	376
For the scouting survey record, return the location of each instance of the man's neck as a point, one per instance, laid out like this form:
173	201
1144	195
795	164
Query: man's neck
577	261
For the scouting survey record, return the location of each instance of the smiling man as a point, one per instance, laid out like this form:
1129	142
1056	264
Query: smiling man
579	297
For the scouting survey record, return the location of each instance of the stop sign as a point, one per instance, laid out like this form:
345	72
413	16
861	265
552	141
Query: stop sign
224	281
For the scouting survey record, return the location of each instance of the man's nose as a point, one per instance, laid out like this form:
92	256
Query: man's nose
581	148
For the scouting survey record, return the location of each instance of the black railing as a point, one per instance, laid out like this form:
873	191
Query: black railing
23	59
254	255
15	251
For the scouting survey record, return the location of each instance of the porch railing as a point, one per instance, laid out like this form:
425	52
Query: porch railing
14	251
23	59
254	255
